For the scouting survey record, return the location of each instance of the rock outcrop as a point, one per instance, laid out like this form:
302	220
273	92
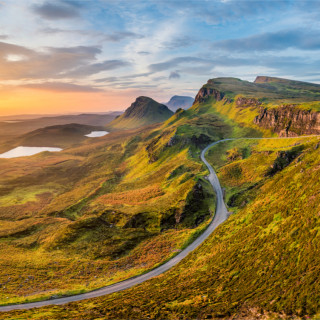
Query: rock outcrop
243	102
205	93
284	158
144	111
289	120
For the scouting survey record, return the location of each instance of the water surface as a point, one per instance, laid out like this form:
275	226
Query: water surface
96	134
26	151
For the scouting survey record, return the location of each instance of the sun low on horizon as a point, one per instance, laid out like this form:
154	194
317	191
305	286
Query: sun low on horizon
67	56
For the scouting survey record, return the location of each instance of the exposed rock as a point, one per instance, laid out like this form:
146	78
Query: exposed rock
201	141
243	102
194	201
289	120
205	93
284	158
144	111
173	141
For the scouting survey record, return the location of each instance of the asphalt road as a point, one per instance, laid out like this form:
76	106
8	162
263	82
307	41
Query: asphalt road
220	216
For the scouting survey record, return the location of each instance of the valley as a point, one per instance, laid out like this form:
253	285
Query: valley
134	198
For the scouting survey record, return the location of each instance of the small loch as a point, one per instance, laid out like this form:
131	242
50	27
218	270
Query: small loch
96	134
26	151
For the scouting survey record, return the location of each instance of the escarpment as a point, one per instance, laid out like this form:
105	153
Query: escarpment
289	120
205	93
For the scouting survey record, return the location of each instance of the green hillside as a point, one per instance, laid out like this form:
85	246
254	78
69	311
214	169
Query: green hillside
261	263
267	89
105	210
134	198
62	136
144	111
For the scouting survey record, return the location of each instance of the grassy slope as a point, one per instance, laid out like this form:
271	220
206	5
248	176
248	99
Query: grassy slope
94	212
230	272
62	136
264	259
144	111
12	131
284	91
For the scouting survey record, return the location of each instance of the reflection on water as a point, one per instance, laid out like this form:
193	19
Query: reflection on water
26	151
96	134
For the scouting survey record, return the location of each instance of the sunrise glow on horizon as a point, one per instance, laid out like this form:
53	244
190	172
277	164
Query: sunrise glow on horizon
68	56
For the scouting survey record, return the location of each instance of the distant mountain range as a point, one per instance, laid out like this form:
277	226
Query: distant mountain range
176	102
142	112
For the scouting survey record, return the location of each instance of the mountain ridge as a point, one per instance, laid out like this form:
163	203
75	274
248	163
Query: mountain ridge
143	111
267	89
176	102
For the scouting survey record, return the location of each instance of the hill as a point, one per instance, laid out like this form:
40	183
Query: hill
58	136
266	89
12	130
135	197
144	111
176	102
61	136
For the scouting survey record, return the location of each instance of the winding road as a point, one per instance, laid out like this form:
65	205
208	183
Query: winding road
221	215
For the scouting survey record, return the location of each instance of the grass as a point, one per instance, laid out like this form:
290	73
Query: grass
128	202
113	201
263	260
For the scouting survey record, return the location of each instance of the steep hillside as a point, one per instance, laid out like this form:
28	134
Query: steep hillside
144	111
272	106
105	210
267	91
112	209
176	102
262	263
289	120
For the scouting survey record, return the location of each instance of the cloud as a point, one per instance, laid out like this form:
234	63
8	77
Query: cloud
8	48
115	36
3	36
178	42
18	62
174	75
127	77
107	80
97	68
280	40
172	63
220	12
61	87
58	10
144	53
121	35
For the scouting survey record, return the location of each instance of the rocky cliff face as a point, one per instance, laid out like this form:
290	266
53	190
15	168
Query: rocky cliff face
243	102
205	93
289	120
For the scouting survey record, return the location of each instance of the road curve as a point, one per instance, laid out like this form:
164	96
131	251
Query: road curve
221	215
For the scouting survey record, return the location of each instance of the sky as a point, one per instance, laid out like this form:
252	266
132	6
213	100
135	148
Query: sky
67	56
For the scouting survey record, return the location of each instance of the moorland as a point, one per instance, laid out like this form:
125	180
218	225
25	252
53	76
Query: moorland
107	209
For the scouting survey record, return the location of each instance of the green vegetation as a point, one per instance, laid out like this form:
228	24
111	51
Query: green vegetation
272	89
142	112
91	214
114	208
263	261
